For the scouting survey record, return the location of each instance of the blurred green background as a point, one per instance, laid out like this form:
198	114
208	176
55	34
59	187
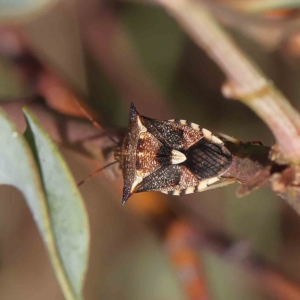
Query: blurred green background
121	52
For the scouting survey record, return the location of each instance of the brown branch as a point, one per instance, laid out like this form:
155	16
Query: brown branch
275	282
186	259
271	33
247	83
286	185
258	6
67	131
248	159
245	80
198	236
238	253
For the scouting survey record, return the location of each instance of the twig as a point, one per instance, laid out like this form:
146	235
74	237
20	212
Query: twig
186	259
271	33
245	80
67	131
275	283
197	236
258	6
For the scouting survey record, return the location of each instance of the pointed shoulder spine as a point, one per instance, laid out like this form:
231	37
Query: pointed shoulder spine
133	112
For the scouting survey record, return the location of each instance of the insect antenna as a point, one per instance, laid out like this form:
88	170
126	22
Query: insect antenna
95	173
95	123
98	126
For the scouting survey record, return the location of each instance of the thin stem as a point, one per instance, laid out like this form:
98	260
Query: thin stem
258	6
195	236
245	80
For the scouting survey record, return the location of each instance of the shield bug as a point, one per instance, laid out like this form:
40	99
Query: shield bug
175	157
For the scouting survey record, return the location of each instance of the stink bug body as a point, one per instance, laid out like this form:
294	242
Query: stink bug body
175	157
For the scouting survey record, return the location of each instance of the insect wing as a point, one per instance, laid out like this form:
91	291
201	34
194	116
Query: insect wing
173	134
175	157
206	159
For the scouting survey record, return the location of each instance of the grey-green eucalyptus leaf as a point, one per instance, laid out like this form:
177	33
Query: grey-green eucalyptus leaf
54	201
67	211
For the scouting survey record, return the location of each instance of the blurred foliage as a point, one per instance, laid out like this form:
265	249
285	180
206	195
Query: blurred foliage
57	209
190	83
67	213
10	87
259	6
22	9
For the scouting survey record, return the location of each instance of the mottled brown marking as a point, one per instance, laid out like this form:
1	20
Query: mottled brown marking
191	136
187	179
172	134
146	155
170	157
128	153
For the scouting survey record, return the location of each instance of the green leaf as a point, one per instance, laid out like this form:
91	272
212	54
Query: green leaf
56	206
16	9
